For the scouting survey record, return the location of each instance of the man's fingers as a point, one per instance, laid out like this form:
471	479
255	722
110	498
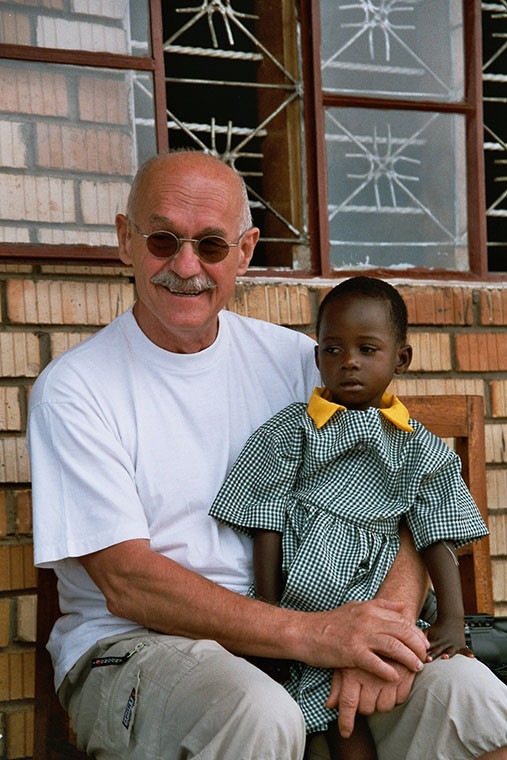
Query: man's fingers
347	708
334	692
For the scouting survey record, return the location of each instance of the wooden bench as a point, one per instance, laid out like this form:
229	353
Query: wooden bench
458	417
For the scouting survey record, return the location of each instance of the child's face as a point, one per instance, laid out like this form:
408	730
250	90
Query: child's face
358	352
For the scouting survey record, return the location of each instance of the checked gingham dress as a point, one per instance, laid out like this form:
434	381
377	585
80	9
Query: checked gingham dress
336	482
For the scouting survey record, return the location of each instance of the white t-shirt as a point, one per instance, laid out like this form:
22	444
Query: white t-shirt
129	441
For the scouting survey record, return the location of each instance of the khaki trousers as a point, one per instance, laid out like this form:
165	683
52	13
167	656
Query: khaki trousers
175	698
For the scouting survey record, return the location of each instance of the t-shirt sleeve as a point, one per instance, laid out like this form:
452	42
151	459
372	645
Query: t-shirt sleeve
84	492
444	508
259	486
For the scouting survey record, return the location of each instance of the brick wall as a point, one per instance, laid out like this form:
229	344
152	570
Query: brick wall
460	346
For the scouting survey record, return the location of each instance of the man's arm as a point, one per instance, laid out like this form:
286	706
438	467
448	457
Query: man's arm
158	593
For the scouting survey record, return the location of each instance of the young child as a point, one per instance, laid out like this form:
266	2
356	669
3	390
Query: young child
322	489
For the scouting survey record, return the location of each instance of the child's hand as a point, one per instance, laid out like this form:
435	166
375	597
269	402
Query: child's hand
447	638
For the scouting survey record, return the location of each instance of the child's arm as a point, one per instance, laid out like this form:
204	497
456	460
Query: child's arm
447	635
267	562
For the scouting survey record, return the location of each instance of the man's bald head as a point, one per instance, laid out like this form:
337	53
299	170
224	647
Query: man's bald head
180	161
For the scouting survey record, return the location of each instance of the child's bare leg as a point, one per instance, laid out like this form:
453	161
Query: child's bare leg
359	745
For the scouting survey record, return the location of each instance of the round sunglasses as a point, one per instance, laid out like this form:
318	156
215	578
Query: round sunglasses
163	244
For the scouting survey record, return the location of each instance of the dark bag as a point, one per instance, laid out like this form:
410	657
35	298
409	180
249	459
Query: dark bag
487	638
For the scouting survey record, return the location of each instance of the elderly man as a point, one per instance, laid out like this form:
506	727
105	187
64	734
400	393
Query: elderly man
131	434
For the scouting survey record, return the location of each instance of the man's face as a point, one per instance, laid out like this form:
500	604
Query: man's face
191	196
358	352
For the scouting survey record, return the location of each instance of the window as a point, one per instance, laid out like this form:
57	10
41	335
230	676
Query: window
357	125
78	113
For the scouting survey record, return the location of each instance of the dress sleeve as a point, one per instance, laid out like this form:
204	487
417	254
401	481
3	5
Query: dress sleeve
443	507
260	485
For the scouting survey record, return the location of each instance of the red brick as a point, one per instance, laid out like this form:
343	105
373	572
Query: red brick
493	307
5	615
432	352
499	398
3	514
23	505
438	305
481	352
17	571
20	733
103	100
281	304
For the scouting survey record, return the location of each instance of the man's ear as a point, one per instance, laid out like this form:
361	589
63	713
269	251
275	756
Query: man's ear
316	351
403	359
123	234
246	249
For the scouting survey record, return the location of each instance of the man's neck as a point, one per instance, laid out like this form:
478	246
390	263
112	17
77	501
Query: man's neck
173	339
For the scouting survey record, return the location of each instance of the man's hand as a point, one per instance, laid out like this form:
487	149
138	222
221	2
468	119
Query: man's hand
356	691
357	633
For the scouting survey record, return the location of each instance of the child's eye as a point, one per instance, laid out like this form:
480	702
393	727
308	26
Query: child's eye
368	349
331	349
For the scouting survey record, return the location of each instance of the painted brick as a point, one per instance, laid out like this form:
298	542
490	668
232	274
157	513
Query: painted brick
102	201
17	675
14	467
3	514
498	534
432	352
5	622
280	304
57	236
78	149
14	268
81	269
10	414
438	306
61	342
14	235
20	734
499	398
499	573
428	386
493	307
14	28
12	144
497	489
80	35
496	443
16	567
66	302
23	510
37	199
34	91
481	352
19	354
26	618
103	100
105	8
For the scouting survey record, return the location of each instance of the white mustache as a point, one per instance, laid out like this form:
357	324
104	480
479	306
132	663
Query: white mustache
177	284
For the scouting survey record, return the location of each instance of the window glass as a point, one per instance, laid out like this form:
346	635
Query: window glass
71	139
112	26
408	49
396	189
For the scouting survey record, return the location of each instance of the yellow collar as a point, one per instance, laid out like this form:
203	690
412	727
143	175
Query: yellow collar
321	409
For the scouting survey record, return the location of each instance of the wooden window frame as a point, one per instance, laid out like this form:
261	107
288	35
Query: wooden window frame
317	100
46	253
